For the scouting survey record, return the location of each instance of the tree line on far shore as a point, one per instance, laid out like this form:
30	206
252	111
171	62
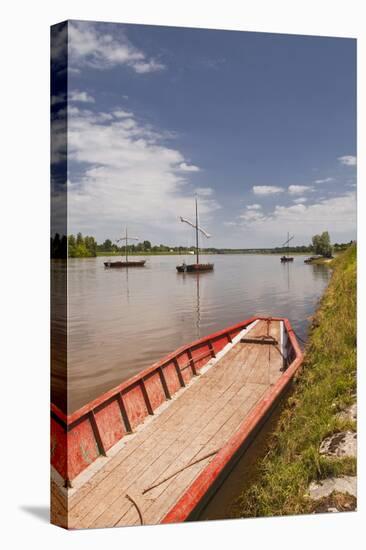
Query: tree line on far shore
87	247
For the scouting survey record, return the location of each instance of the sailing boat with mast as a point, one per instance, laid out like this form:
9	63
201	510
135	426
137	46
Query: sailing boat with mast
197	267
287	258
126	262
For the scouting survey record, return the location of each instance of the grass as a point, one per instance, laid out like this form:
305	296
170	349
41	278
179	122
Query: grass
325	386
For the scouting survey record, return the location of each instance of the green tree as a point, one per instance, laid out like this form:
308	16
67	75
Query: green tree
71	246
107	245
147	245
91	246
321	244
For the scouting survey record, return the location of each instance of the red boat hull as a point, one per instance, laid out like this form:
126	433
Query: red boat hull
78	439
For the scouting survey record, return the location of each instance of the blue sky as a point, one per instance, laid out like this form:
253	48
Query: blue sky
262	127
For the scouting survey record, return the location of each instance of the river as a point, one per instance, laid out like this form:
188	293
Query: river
122	320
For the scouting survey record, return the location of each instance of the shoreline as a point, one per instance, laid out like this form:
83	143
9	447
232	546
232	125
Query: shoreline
316	411
204	253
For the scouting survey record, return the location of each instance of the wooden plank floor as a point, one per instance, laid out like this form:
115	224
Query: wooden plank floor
200	420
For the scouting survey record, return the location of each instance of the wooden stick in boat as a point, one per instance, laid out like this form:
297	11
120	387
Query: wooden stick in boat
180	470
137	508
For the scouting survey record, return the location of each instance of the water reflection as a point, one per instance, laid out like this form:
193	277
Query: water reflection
320	271
121	321
286	267
193	280
59	332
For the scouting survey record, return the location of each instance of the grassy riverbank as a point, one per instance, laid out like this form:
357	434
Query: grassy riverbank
326	385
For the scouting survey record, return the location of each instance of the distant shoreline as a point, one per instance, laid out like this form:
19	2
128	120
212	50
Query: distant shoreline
204	253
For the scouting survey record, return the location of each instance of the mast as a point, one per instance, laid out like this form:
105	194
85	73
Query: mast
197	256
125	238
126	245
288	243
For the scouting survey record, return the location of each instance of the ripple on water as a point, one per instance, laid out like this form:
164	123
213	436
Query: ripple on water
121	321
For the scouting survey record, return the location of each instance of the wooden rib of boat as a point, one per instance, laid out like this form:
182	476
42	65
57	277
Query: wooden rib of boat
194	268
154	448
129	263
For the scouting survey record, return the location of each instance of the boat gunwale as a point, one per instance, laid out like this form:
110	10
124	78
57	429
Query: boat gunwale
71	419
195	493
88	411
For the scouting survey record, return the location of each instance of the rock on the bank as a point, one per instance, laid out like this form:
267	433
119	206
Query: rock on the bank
324	488
340	445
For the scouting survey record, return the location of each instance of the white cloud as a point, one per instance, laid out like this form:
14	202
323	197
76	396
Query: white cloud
325	180
252	216
120	113
266	189
254	207
81	97
123	172
336	215
90	47
75	96
147	66
252	213
184	167
300	200
299	189
204	191
348	160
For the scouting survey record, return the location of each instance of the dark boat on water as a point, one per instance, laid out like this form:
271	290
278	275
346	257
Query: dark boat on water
126	262
287	258
194	268
197	267
130	263
312	259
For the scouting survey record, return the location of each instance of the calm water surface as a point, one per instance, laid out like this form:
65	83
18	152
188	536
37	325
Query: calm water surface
123	320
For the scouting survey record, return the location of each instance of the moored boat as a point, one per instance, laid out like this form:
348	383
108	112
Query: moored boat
194	268
287	258
129	263
197	267
152	449
312	259
126	262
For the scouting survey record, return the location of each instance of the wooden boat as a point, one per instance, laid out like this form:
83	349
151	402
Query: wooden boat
129	263
197	267
312	259
194	268
126	262
287	258
153	449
